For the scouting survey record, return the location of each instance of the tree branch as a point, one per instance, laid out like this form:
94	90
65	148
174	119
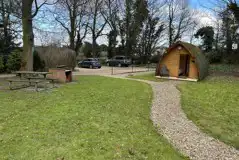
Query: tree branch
38	7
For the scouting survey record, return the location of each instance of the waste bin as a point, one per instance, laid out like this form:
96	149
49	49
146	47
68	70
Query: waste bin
62	74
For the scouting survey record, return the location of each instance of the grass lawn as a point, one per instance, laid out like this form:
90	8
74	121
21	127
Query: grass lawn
97	118
146	76
214	106
223	68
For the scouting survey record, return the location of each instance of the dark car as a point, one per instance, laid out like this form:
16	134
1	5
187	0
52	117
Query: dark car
120	61
89	63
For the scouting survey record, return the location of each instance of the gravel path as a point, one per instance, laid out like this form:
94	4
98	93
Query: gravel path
183	134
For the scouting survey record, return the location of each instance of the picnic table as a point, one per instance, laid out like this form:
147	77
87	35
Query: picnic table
31	73
32	78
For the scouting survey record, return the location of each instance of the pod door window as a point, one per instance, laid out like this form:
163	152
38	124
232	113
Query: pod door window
184	65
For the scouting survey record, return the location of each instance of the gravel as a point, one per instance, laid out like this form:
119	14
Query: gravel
183	134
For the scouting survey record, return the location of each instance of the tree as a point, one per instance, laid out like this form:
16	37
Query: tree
27	15
134	14
112	18
228	29
151	32
8	33
207	34
97	21
112	43
28	36
71	15
179	19
233	6
87	49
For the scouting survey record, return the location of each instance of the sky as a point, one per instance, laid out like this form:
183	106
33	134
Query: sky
202	3
204	16
195	3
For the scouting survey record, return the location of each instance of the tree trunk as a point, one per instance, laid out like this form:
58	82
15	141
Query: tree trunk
28	37
94	46
170	34
217	37
94	32
228	37
73	29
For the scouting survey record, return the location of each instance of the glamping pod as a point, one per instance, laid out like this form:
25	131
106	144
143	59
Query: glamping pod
183	61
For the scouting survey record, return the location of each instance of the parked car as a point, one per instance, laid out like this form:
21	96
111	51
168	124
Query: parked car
89	63
119	61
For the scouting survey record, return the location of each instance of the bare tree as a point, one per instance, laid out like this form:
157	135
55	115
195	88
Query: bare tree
97	21
50	38
179	19
71	15
111	16
152	30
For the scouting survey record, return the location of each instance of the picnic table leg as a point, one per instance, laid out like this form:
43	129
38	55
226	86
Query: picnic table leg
10	85
36	87
29	81
45	85
53	83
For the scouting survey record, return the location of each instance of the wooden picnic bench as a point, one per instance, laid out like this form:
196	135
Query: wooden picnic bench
21	73
36	82
52	80
31	77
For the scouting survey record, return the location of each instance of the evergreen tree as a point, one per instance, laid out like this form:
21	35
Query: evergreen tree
207	35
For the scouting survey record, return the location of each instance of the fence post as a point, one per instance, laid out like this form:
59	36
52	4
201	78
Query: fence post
112	70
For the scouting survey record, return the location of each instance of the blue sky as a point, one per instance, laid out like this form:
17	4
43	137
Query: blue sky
195	3
206	3
200	3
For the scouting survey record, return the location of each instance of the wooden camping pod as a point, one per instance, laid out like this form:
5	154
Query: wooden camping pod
184	61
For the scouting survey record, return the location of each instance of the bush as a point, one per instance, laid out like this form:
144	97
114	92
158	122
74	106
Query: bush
231	59
54	56
102	61
2	68
14	61
154	58
38	64
214	56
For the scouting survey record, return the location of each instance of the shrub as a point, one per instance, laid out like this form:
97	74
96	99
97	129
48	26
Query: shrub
54	56
14	61
214	56
155	58
38	64
231	59
2	68
102	61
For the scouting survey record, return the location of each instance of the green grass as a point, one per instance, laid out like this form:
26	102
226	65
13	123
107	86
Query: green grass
223	68
213	105
147	76
96	118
